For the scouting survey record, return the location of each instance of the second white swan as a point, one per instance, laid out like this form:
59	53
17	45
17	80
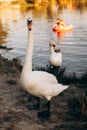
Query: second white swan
55	56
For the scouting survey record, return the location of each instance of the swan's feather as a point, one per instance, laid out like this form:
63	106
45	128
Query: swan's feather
42	84
55	59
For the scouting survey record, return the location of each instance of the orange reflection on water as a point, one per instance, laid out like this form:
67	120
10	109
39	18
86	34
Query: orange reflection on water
7	17
62	34
9	14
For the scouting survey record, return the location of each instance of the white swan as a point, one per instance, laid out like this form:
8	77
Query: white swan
38	83
55	56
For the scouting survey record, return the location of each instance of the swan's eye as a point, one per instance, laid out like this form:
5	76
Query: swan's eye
53	45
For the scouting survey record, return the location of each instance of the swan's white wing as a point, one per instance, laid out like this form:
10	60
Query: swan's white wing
35	78
42	84
49	90
45	76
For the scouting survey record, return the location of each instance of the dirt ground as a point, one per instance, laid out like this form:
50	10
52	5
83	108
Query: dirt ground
68	110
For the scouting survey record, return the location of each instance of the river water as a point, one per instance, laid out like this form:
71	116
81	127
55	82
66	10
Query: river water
13	35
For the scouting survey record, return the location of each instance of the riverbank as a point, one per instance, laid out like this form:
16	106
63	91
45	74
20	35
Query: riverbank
68	110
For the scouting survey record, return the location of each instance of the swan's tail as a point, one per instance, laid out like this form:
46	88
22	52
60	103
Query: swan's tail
62	88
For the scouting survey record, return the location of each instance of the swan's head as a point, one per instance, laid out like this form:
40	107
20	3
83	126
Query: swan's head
29	24
52	44
53	48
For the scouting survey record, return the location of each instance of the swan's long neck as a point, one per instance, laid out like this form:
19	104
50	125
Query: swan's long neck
51	49
28	60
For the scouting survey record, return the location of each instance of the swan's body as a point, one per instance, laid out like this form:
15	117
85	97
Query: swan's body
42	84
38	83
55	56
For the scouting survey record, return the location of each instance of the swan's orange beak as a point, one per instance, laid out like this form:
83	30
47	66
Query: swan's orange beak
29	24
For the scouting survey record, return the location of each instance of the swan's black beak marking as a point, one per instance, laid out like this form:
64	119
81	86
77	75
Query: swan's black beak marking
29	24
29	21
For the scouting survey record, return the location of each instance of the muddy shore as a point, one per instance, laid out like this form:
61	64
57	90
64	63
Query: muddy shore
68	110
